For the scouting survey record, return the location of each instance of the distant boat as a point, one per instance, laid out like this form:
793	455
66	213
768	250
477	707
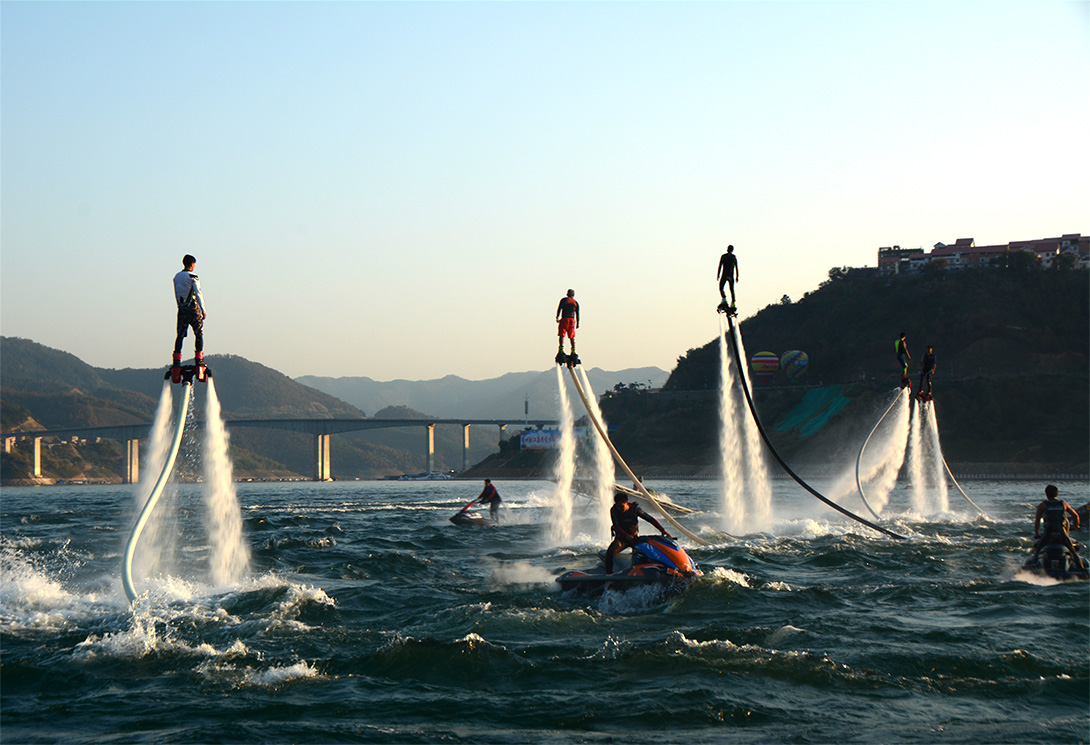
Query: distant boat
425	476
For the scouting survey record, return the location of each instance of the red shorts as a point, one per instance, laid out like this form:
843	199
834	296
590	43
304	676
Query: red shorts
567	328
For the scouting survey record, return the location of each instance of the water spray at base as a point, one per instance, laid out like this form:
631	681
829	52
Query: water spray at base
744	470
913	432
560	527
228	555
605	471
881	472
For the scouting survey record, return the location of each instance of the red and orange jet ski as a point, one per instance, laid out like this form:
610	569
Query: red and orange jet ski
655	560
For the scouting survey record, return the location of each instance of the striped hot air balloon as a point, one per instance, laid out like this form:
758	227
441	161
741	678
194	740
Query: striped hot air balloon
793	363
764	366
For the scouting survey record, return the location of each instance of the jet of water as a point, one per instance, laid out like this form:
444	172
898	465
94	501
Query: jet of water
605	471
560	523
230	556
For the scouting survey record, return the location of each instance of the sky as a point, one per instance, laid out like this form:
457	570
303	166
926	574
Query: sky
405	190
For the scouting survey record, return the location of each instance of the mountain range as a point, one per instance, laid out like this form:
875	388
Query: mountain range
44	388
520	394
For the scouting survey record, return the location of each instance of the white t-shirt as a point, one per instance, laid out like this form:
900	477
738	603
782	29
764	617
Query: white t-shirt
187	290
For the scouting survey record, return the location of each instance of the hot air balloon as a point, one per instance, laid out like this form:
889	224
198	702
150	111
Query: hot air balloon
793	363
764	366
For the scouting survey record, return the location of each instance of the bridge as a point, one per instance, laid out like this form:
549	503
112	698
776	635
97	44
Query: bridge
320	429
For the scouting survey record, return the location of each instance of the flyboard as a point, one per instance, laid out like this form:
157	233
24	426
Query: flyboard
925	399
177	374
783	464
620	461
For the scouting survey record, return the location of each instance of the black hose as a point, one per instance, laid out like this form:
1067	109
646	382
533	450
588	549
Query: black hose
764	436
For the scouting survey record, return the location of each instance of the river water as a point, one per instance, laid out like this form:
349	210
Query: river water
365	616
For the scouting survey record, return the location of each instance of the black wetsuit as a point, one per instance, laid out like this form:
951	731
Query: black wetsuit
728	269
927	368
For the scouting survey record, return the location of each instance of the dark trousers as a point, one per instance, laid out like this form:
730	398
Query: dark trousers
190	318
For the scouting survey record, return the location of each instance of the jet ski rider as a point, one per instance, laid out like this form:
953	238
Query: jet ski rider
1053	512
625	528
491	497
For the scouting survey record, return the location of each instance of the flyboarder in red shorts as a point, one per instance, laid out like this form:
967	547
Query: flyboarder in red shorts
567	319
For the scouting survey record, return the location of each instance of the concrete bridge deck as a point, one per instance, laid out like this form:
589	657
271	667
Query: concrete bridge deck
320	429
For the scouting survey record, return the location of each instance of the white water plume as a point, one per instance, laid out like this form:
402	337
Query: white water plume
930	493
156	542
604	469
560	527
935	463
915	462
883	459
229	556
733	508
742	448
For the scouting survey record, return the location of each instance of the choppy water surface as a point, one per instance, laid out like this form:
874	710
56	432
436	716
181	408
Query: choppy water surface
368	617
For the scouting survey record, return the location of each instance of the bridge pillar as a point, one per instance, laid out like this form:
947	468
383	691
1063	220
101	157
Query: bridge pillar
321	457
465	447
429	451
37	456
132	461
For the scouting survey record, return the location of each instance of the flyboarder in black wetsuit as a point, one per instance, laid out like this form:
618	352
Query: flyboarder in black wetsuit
625	517
927	369
727	274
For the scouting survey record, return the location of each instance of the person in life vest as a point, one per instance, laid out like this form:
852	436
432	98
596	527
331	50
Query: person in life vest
625	528
903	357
927	369
491	497
727	273
567	319
191	312
1050	524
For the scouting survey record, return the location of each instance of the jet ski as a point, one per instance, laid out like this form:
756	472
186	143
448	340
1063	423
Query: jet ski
468	516
1054	560
655	560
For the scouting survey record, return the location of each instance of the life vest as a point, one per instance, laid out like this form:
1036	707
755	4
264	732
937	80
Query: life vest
568	306
627	520
1054	519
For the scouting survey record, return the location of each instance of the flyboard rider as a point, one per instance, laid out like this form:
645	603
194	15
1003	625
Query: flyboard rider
727	274
191	312
900	347
567	320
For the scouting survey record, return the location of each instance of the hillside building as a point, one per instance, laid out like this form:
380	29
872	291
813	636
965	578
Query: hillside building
965	254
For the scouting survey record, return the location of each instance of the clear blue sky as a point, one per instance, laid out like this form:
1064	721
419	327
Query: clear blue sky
405	190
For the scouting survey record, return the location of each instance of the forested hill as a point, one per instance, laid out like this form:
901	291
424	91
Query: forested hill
1012	388
982	323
